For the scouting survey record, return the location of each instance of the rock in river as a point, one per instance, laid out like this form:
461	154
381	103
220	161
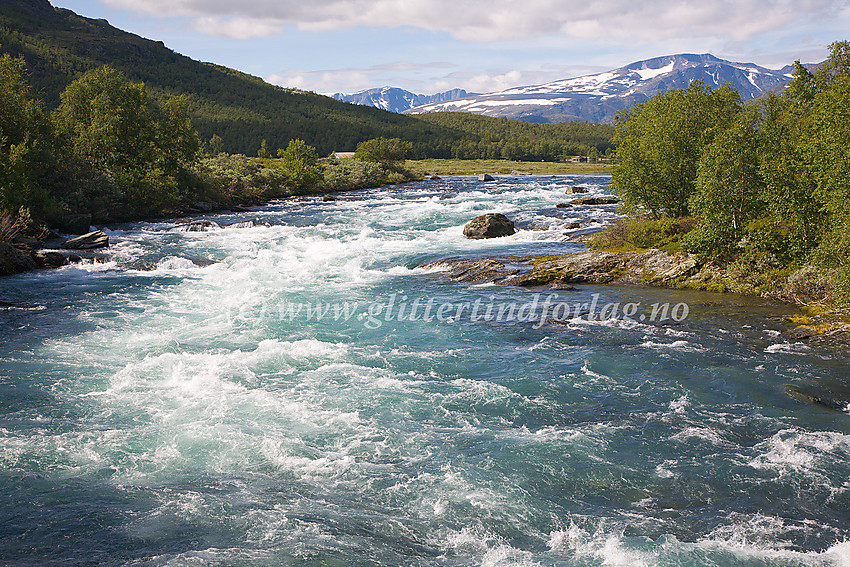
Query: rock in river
90	241
602	200
492	225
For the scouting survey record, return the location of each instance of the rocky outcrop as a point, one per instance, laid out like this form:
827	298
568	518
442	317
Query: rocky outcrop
649	267
14	260
601	200
89	241
491	225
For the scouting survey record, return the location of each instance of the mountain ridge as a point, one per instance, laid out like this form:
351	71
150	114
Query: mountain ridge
395	99
599	97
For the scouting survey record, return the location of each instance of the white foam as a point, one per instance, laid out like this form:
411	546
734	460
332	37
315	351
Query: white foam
789	348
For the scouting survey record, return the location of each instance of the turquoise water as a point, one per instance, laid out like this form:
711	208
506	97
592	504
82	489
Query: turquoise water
156	412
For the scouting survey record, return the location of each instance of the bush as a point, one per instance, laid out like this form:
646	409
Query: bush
644	232
239	179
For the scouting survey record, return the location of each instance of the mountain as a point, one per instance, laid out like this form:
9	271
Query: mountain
395	99
58	46
599	97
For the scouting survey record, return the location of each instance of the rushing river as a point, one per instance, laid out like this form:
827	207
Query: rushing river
292	400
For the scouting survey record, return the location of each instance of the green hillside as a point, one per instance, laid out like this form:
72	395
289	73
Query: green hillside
59	46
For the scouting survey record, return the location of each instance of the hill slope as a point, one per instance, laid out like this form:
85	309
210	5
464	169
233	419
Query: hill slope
58	46
599	97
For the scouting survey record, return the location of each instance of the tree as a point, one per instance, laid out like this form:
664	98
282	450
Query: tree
111	126
301	164
215	146
728	187
25	140
264	152
660	143
389	153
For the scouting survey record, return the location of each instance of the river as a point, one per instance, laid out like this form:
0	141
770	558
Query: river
298	393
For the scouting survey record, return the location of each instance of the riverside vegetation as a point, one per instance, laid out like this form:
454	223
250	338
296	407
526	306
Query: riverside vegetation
758	192
109	152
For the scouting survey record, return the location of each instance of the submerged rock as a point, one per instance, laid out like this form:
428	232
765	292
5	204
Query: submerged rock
491	225
601	200
243	224
197	226
562	206
90	241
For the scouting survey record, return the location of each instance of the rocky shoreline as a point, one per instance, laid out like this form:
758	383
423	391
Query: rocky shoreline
652	267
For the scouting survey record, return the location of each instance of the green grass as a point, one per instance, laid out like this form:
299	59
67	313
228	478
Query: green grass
502	167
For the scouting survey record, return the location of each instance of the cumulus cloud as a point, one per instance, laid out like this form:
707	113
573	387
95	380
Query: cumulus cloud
499	20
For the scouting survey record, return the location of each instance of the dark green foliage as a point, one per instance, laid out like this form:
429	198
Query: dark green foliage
659	143
300	163
110	126
388	153
349	174
728	187
769	182
484	137
26	140
233	179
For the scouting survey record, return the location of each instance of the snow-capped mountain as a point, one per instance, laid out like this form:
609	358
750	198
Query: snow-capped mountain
599	97
398	100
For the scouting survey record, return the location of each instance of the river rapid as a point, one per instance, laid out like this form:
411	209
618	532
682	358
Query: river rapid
284	395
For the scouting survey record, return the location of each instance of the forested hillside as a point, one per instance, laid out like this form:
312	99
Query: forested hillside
58	46
501	138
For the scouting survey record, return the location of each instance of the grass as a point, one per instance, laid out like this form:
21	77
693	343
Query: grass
502	167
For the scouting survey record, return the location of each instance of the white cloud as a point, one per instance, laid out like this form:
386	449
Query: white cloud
499	20
237	28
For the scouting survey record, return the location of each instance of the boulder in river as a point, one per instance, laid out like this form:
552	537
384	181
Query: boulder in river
576	189
491	225
49	259
486	177
562	205
89	241
601	200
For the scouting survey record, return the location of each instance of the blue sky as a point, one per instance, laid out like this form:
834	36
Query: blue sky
428	46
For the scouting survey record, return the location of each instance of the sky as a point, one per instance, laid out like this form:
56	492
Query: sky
429	46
